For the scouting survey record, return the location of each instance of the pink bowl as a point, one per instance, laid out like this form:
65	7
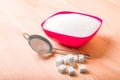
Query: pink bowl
70	40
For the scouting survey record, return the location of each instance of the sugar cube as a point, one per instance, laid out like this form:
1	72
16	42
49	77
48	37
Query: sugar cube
81	58
76	58
71	71
62	68
59	60
82	69
70	58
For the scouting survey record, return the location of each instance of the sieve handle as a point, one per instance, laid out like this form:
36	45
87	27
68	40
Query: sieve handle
86	55
26	35
62	50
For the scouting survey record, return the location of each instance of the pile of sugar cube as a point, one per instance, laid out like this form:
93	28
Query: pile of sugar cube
67	63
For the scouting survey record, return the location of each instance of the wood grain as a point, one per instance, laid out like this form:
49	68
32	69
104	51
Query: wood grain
19	62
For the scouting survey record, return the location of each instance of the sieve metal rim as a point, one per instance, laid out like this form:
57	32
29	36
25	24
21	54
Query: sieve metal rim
30	37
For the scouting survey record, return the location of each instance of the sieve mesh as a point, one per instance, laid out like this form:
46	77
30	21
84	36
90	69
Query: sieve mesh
39	45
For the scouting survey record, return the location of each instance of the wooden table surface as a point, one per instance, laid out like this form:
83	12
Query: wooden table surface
19	62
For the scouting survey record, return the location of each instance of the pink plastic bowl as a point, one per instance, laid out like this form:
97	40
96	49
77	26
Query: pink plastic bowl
70	40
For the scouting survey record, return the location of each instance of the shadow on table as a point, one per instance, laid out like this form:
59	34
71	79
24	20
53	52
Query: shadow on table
46	56
97	47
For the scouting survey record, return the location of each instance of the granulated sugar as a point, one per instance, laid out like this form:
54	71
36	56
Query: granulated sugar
72	24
